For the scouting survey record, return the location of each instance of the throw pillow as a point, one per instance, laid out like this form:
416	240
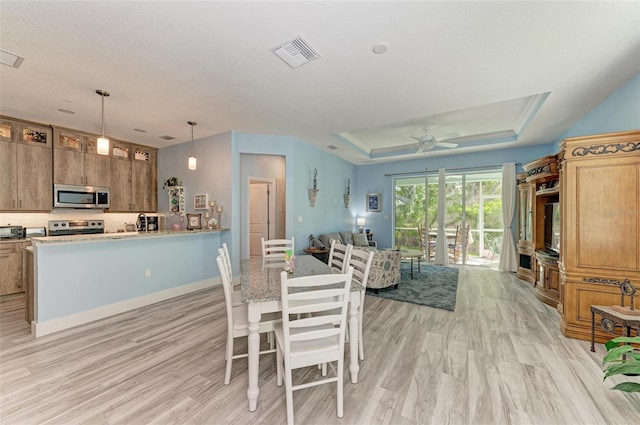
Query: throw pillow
360	239
347	237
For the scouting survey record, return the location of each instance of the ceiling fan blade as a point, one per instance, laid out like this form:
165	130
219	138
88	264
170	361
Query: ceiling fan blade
448	145
448	136
414	137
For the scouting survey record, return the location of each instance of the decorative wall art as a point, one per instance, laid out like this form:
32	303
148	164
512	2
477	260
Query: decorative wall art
314	192
374	202
194	221
201	201
347	195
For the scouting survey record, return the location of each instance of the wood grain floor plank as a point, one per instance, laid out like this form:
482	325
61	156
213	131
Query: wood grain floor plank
499	358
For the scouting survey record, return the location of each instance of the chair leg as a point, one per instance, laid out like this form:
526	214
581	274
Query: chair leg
360	342
324	369
340	388
279	366
289	393
229	355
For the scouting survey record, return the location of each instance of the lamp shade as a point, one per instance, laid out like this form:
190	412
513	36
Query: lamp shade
192	162
103	146
360	221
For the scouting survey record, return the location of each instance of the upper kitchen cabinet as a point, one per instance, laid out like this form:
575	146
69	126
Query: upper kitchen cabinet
134	178
25	166
76	161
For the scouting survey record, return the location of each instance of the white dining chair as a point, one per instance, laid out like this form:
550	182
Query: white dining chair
273	251
237	322
361	262
236	295
338	256
313	339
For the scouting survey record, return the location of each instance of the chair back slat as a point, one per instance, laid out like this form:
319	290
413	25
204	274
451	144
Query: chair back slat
228	290
338	255
273	250
361	262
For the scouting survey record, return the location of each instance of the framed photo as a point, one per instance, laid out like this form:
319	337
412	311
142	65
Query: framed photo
201	201
374	202
194	221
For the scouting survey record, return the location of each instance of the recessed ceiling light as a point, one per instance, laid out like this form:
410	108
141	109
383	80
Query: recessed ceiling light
139	130
380	48
167	137
10	59
66	111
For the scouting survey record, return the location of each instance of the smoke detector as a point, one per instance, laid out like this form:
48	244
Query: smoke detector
296	52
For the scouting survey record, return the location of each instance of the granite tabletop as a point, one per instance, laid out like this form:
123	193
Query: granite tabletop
260	284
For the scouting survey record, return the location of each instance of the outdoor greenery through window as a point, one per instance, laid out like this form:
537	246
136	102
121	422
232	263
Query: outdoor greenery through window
474	199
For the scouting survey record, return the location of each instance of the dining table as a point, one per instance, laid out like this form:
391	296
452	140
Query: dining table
260	287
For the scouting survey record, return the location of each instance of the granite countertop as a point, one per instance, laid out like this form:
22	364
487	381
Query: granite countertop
119	236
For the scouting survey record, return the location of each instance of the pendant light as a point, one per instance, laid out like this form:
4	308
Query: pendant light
192	159
103	142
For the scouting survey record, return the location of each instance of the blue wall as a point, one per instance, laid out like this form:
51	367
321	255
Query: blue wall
619	112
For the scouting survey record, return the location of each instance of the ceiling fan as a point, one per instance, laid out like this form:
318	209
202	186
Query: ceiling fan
427	141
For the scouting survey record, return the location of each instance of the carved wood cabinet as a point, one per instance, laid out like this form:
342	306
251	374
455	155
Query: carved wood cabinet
600	238
526	247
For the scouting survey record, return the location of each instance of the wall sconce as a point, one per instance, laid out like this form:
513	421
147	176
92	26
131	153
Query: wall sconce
360	222
103	142
192	159
314	192
347	196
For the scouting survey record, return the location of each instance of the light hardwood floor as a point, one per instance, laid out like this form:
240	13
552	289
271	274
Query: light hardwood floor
498	359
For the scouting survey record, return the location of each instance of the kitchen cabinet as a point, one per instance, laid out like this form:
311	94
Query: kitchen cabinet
76	161
25	166
134	178
11	266
28	280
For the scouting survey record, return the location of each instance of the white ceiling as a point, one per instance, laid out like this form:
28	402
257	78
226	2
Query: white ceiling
498	74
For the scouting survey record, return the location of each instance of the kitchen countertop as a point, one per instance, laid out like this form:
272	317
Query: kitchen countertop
117	236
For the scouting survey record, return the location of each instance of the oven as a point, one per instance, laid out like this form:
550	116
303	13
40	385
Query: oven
75	227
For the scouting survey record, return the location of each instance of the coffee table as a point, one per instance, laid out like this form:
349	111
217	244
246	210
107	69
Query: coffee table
411	254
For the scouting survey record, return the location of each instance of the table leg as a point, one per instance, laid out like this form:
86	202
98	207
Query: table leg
354	367
593	335
419	258
253	390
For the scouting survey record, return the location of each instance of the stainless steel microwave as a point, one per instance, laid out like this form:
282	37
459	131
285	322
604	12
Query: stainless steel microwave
70	196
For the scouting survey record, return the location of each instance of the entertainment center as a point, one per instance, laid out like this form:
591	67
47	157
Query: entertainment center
579	226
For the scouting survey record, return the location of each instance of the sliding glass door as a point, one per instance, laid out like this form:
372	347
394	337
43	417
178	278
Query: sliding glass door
473	202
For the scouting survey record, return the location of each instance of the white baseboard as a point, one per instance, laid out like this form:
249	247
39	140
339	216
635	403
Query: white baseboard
39	329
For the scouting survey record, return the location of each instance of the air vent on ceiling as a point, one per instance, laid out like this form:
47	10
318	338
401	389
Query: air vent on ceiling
166	137
332	147
10	59
296	52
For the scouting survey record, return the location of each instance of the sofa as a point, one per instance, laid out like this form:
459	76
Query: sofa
385	268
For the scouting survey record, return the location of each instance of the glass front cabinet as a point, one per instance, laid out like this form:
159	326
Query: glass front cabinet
526	247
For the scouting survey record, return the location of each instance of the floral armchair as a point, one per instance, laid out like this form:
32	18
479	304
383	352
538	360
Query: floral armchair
385	268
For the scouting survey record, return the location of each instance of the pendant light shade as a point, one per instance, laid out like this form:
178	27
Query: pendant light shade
192	159
103	142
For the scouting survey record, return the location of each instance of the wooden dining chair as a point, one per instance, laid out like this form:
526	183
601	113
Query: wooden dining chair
273	251
312	339
237	320
361	262
338	256
460	244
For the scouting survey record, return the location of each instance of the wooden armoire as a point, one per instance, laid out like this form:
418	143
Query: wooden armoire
600	236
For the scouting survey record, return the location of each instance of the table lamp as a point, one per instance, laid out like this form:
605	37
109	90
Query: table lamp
360	222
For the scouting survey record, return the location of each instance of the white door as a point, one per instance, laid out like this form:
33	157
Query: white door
259	216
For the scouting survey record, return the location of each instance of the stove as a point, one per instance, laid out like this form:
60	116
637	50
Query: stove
75	227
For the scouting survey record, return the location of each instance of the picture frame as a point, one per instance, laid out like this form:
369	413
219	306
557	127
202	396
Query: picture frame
201	201
194	221
374	202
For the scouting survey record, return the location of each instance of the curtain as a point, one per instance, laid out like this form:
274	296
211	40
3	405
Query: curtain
442	255
508	261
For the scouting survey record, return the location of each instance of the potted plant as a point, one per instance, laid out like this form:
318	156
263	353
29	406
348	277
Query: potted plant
171	181
623	360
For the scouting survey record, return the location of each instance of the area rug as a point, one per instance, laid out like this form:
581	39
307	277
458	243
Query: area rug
433	286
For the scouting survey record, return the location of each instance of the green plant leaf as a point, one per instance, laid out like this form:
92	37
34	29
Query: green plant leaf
619	369
629	387
617	352
619	339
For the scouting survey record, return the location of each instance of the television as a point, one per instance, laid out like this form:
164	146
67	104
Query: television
552	228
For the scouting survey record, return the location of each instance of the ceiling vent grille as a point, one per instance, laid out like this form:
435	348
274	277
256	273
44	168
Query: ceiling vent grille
296	52
166	137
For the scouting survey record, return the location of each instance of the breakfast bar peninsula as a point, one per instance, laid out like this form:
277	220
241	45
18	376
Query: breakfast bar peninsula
82	278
